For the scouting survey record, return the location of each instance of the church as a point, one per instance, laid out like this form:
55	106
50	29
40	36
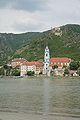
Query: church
49	63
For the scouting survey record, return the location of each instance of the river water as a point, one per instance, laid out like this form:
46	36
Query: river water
40	96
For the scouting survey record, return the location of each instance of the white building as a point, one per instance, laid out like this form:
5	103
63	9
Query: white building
46	70
23	70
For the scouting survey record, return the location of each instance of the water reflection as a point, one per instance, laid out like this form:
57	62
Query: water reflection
46	99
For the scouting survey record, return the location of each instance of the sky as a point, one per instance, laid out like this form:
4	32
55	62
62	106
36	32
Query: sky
19	16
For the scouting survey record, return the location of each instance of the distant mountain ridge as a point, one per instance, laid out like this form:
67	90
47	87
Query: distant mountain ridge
63	41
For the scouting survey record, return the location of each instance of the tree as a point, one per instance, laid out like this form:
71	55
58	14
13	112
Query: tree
74	65
5	66
7	70
30	73
2	71
15	72
78	71
55	66
64	66
66	72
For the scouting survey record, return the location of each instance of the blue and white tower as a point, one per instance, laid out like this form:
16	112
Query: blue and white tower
46	61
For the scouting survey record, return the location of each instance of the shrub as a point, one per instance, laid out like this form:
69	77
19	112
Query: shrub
15	72
78	71
30	73
66	72
74	65
2	71
55	66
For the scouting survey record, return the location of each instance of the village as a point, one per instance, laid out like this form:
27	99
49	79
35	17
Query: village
59	66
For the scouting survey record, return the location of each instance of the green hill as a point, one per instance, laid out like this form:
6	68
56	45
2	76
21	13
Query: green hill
62	42
9	43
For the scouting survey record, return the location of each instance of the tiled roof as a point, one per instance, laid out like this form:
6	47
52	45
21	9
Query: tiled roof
61	60
36	63
59	65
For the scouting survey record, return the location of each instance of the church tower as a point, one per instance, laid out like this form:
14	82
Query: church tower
46	61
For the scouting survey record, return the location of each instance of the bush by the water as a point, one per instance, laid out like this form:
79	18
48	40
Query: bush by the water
15	72
30	73
66	72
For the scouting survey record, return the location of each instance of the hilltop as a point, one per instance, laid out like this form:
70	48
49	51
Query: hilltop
63	42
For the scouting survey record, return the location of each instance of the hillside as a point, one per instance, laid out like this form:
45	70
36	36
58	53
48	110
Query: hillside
62	42
9	43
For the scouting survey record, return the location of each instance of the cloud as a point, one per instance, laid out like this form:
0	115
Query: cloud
28	5
37	15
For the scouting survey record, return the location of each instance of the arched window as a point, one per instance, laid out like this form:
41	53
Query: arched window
46	55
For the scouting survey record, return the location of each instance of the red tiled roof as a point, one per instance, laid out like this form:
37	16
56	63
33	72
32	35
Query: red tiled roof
59	65
61	60
33	63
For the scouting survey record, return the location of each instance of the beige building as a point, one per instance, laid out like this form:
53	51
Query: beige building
35	66
17	62
60	62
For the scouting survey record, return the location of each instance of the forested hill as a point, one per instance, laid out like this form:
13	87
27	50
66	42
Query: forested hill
10	42
63	42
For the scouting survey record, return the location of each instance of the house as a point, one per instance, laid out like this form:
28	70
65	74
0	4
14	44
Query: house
59	72
60	62
57	31
16	62
35	66
73	73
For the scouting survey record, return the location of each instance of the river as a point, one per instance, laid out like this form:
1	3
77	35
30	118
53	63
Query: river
37	97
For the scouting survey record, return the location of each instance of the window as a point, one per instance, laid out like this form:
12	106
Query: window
46	55
46	65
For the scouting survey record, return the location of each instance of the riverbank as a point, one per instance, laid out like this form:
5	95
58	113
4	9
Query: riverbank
40	77
25	116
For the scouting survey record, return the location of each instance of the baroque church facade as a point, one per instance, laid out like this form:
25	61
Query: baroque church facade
49	63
